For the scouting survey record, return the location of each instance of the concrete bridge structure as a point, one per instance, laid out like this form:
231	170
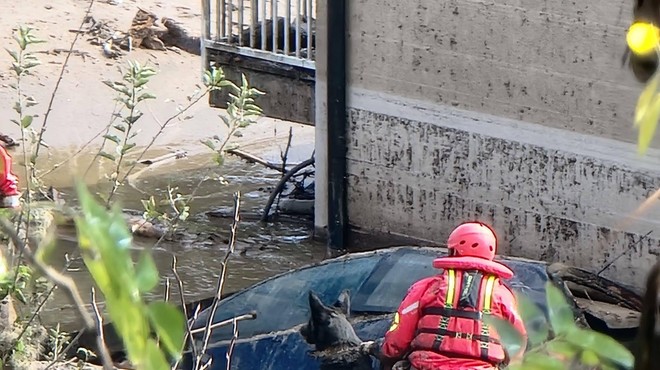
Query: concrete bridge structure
515	112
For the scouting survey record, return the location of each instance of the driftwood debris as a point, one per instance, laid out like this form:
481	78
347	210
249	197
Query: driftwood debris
584	285
7	142
177	36
254	159
175	155
144	32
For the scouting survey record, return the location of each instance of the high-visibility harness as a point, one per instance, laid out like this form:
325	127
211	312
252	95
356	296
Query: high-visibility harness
449	310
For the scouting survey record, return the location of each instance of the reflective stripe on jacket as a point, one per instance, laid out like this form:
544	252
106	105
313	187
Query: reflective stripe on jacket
432	293
455	327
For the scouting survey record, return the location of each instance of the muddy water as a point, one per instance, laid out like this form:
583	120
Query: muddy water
263	250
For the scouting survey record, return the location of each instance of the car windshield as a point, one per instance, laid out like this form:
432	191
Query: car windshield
384	290
282	302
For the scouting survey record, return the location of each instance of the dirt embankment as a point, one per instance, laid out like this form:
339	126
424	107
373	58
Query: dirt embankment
83	105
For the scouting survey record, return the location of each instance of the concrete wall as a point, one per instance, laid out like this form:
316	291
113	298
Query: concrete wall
289	89
514	112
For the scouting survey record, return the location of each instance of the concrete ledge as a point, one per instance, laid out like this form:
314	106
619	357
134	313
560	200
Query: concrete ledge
289	89
419	169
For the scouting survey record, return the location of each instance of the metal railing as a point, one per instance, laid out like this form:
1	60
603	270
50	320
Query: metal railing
280	30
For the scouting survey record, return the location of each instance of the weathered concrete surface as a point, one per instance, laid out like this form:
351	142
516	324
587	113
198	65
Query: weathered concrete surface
553	62
516	112
419	169
290	90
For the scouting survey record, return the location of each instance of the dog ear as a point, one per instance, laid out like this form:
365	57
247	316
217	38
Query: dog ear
344	302
318	310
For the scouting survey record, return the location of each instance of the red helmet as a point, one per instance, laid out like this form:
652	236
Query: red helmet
473	239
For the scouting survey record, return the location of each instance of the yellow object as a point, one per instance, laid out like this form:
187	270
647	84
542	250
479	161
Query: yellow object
395	324
642	38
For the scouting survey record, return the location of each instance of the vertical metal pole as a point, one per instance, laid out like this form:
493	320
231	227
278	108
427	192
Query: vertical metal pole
263	24
337	124
254	8
241	20
298	35
287	21
230	19
206	31
221	8
275	25
308	15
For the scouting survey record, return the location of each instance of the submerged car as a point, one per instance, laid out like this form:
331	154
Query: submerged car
377	282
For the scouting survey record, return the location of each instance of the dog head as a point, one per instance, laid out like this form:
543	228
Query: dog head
329	326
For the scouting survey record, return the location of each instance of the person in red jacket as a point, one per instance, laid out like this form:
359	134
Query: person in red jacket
9	194
439	324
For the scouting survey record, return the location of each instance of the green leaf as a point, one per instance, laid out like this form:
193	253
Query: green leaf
146	96
539	361
219	159
127	147
112	138
510	338
589	358
18	294
153	357
646	97
560	313
647	112
26	121
561	348
107	156
648	125
169	324
605	347
147	273
208	143
14	55
534	319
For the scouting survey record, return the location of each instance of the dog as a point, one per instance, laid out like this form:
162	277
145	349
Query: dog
335	340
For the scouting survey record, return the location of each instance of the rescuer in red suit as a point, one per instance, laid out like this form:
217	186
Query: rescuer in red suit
439	323
9	194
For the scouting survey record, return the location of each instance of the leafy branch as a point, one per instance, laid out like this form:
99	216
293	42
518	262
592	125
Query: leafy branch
558	340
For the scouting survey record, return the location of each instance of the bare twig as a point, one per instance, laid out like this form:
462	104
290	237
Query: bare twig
247	316
631	247
221	279
185	310
232	343
166	297
285	155
59	80
254	158
100	341
59	279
